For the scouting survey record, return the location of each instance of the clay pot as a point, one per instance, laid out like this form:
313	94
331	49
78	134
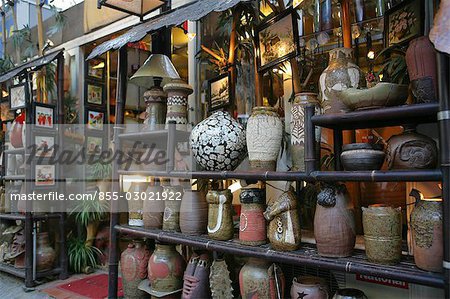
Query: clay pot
135	204
341	73
421	63
133	264
349	294
310	286
193	213
284	227
153	207
220	214
427	235
362	156
45	255
264	134
177	102
383	234
334	222
196	278
218	142
411	150
257	280
155	114
172	196
252	225
165	269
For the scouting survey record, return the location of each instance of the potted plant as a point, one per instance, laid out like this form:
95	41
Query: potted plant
82	257
101	174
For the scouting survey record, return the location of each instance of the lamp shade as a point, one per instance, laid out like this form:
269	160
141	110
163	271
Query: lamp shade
138	8
157	66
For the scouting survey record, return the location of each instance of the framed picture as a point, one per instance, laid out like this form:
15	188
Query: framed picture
6	114
44	145
18	95
219	92
96	68
95	93
45	175
404	22
277	40
44	116
94	144
95	119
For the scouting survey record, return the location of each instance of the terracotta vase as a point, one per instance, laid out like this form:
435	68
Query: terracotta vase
284	231
165	269
135	204
193	213
177	102
45	255
341	73
218	142
309	287
427	235
196	278
261	279
155	114
383	234
172	204
264	135
252	224
334	222
421	63
220	214
133	264
411	150
153	208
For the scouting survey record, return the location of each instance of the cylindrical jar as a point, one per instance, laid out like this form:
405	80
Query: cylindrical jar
193	213
264	135
45	255
155	114
252	225
133	264
153	207
310	286
136	203
172	196
383	234
177	102
220	214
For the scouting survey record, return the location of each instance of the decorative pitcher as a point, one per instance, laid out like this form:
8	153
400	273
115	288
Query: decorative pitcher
220	214
309	287
252	225
133	264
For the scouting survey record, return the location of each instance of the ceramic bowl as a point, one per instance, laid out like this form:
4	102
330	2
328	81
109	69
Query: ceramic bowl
362	156
381	95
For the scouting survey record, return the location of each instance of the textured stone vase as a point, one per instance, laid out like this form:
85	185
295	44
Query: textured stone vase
196	278
264	135
220	214
193	213
341	73
177	102
153	209
155	114
218	142
45	255
172	205
133	264
284	223
309	287
252	225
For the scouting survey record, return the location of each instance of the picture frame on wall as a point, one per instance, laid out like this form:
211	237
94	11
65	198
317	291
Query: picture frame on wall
44	116
219	92
18	95
44	175
96	69
45	145
6	114
404	22
95	119
94	93
94	144
277	40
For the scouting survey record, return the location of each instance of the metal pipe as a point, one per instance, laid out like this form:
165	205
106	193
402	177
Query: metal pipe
379	176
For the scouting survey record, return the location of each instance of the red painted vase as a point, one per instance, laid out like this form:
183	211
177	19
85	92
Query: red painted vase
133	263
252	225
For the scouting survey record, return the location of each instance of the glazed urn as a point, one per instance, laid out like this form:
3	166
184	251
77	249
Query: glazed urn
411	150
218	142
309	287
165	269
133	264
284	230
193	213
252	224
220	214
196	278
362	156
177	102
349	294
421	63
383	234
172	196
261	279
136	204
45	255
427	235
155	113
334	222
341	73
153	207
264	135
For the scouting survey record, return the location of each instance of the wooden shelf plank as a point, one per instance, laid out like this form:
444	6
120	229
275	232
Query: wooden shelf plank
379	176
12	270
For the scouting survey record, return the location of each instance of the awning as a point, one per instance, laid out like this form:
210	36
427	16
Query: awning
36	63
193	11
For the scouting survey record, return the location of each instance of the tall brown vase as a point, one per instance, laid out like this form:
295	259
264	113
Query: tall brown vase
193	213
45	255
153	208
133	264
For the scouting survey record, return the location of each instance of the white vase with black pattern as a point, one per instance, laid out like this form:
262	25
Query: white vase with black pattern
177	103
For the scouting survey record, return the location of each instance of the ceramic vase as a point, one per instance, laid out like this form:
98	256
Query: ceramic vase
421	63
196	278
136	204
155	113
133	264
218	142
411	150
383	234
362	156
257	280
172	205
264	135
177	102
193	213
349	294
252	224
219	280
153	207
284	231
334	222
220	214
45	255
341	73
309	287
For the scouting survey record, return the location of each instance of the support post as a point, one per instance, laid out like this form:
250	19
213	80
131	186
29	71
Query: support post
337	142
346	24
310	140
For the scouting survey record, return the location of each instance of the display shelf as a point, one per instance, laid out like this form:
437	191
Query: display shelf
12	270
376	118
18	177
16	216
48	273
152	136
306	256
15	151
379	176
